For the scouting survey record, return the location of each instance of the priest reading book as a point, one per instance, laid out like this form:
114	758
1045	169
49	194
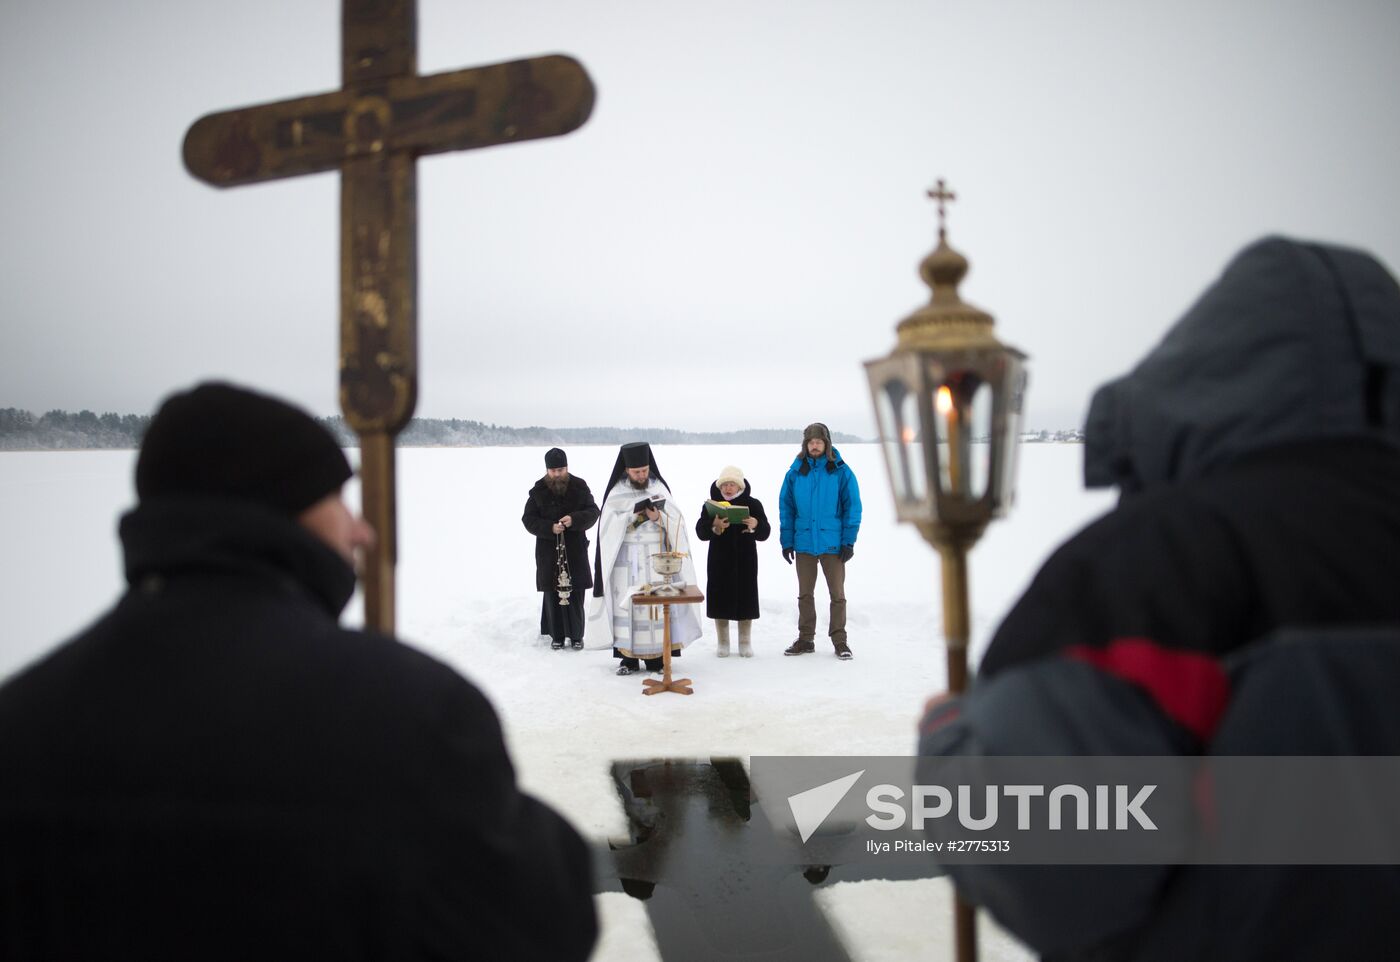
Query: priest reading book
648	504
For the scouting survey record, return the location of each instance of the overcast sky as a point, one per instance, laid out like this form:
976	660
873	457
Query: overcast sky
731	234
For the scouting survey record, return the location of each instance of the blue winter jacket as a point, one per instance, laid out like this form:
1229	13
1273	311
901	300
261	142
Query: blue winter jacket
819	508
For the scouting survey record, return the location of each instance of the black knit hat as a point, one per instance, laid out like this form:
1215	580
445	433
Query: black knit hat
224	441
555	458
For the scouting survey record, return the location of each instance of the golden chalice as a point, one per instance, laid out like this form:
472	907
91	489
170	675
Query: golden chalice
667	564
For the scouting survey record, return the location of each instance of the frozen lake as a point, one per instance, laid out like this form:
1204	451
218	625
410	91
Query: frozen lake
466	595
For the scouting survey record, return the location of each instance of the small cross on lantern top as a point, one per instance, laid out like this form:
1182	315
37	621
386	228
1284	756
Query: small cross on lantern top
941	193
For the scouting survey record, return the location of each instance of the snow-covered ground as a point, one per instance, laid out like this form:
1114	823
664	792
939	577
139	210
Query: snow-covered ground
466	595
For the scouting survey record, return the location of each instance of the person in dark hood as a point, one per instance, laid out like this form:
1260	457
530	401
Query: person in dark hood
1257	452
216	770
819	518
731	569
558	511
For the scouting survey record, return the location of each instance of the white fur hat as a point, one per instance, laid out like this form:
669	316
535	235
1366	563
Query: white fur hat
730	473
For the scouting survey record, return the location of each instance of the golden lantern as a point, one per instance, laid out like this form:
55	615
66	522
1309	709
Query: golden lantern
948	403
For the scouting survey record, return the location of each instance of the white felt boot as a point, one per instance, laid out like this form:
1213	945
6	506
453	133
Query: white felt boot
722	633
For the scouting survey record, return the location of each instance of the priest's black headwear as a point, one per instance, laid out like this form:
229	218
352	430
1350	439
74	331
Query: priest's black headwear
633	454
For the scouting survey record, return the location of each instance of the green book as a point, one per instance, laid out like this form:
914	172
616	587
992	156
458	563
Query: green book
733	513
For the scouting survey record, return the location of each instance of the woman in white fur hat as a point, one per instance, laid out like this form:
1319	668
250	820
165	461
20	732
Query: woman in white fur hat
731	590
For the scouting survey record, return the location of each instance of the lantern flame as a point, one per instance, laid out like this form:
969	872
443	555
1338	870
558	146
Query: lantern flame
944	400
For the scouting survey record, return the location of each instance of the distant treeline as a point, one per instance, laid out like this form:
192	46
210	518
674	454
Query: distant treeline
61	431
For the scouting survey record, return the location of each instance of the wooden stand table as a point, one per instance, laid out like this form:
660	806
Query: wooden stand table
690	595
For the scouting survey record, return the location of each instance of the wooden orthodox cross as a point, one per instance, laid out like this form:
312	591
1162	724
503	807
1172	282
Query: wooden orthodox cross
373	130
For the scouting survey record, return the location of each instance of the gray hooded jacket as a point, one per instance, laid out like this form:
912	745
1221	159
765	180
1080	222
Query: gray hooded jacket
1258	451
1294	342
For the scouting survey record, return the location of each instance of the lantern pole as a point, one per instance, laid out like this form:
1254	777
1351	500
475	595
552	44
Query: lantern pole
947	350
957	619
956	614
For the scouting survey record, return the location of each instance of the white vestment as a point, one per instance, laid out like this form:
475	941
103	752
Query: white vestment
625	551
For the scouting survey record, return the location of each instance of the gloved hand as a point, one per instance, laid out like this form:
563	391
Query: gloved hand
847	552
788	555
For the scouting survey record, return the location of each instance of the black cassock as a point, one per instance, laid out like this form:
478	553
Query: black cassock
542	509
562	621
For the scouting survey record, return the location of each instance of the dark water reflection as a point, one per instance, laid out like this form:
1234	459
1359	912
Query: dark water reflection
717	881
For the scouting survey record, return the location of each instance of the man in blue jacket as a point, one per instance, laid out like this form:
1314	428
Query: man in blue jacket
819	508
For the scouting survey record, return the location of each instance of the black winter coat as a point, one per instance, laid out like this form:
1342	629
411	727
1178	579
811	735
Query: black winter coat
542	509
216	770
731	571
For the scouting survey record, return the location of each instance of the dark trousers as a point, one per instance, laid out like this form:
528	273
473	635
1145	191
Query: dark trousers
653	664
834	569
559	621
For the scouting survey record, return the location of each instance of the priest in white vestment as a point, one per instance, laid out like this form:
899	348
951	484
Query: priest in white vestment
627	538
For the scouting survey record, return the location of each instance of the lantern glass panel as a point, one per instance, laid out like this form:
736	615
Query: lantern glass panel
1014	390
897	410
962	406
980	440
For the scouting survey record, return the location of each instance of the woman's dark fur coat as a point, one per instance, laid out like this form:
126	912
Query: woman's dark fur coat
731	587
